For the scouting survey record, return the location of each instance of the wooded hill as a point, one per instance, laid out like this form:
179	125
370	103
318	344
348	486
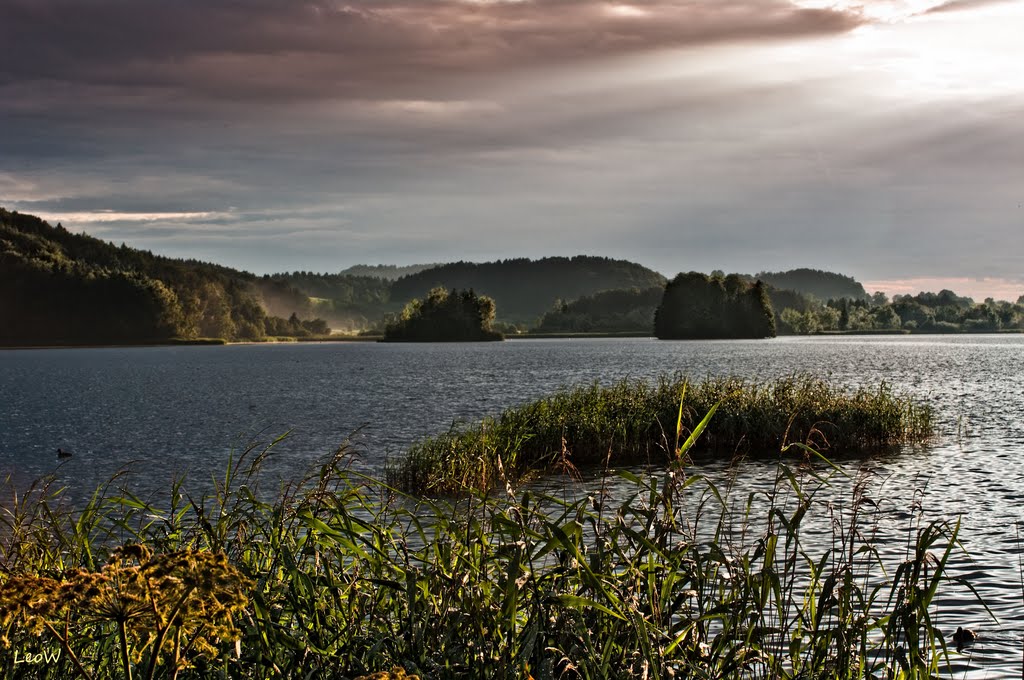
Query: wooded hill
820	284
523	290
57	287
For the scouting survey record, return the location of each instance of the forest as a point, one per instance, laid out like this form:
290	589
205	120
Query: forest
60	288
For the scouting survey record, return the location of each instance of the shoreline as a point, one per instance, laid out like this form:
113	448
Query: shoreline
213	342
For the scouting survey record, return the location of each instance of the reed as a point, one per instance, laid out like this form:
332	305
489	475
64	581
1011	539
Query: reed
633	421
338	576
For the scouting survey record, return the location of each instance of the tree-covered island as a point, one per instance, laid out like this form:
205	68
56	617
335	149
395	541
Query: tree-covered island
443	316
698	306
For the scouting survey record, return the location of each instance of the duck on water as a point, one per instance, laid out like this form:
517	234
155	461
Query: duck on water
61	453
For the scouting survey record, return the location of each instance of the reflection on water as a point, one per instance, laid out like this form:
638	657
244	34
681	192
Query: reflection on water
171	411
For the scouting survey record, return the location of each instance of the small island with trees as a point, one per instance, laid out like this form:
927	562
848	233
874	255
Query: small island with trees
443	316
698	306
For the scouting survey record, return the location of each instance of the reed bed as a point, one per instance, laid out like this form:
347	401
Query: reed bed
340	576
634	422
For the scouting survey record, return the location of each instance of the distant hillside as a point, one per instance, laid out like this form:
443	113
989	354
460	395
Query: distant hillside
57	287
610	311
389	272
523	289
820	284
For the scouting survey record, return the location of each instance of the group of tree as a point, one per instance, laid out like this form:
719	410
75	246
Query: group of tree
57	287
698	306
443	316
942	312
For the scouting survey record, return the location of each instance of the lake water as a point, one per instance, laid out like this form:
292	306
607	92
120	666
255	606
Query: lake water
167	411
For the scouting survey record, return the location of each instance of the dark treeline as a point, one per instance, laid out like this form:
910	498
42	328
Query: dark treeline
389	272
57	287
697	306
611	311
458	316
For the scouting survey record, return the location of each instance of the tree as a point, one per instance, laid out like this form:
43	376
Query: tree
445	316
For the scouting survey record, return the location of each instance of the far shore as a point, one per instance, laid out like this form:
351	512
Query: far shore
209	342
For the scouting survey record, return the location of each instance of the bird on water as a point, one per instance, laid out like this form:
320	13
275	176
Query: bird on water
61	453
963	636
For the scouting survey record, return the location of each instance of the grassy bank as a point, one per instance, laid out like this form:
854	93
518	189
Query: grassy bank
636	422
339	576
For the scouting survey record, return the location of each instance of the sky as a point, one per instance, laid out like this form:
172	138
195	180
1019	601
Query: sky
883	139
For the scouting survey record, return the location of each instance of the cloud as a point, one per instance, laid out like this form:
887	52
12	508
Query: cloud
961	5
102	216
274	50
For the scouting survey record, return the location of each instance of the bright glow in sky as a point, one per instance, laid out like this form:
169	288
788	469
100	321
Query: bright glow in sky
879	138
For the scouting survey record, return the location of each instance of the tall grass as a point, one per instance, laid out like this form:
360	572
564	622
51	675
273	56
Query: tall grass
339	576
634	422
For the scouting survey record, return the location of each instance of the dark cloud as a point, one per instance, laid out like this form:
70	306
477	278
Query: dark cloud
219	49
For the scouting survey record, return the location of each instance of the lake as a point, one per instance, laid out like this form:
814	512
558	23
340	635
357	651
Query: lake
168	411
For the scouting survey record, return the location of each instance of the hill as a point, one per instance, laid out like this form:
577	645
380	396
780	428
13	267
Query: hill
822	285
610	311
57	287
388	272
524	289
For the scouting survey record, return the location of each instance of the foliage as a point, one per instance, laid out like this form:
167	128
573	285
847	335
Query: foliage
626	423
342	578
610	311
458	316
943	312
697	306
62	288
171	609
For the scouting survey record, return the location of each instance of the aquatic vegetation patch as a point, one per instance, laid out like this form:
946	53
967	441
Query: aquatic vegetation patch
340	576
636	422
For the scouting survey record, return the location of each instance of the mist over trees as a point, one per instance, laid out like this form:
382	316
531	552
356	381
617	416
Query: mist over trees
442	316
348	303
698	306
